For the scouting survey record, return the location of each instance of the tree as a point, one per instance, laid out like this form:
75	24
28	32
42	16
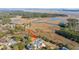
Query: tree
2	34
72	23
6	20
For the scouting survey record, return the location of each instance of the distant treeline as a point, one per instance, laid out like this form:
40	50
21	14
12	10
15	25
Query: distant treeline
28	14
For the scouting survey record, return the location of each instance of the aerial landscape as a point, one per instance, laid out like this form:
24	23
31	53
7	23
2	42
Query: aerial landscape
39	29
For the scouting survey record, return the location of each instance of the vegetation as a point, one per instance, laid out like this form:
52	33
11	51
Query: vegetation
6	20
72	24
33	15
47	40
21	46
22	41
68	34
27	14
68	30
2	34
62	25
18	28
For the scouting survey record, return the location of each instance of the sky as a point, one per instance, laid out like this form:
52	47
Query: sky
39	3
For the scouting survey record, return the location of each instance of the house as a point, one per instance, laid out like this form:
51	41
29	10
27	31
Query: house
11	42
38	43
